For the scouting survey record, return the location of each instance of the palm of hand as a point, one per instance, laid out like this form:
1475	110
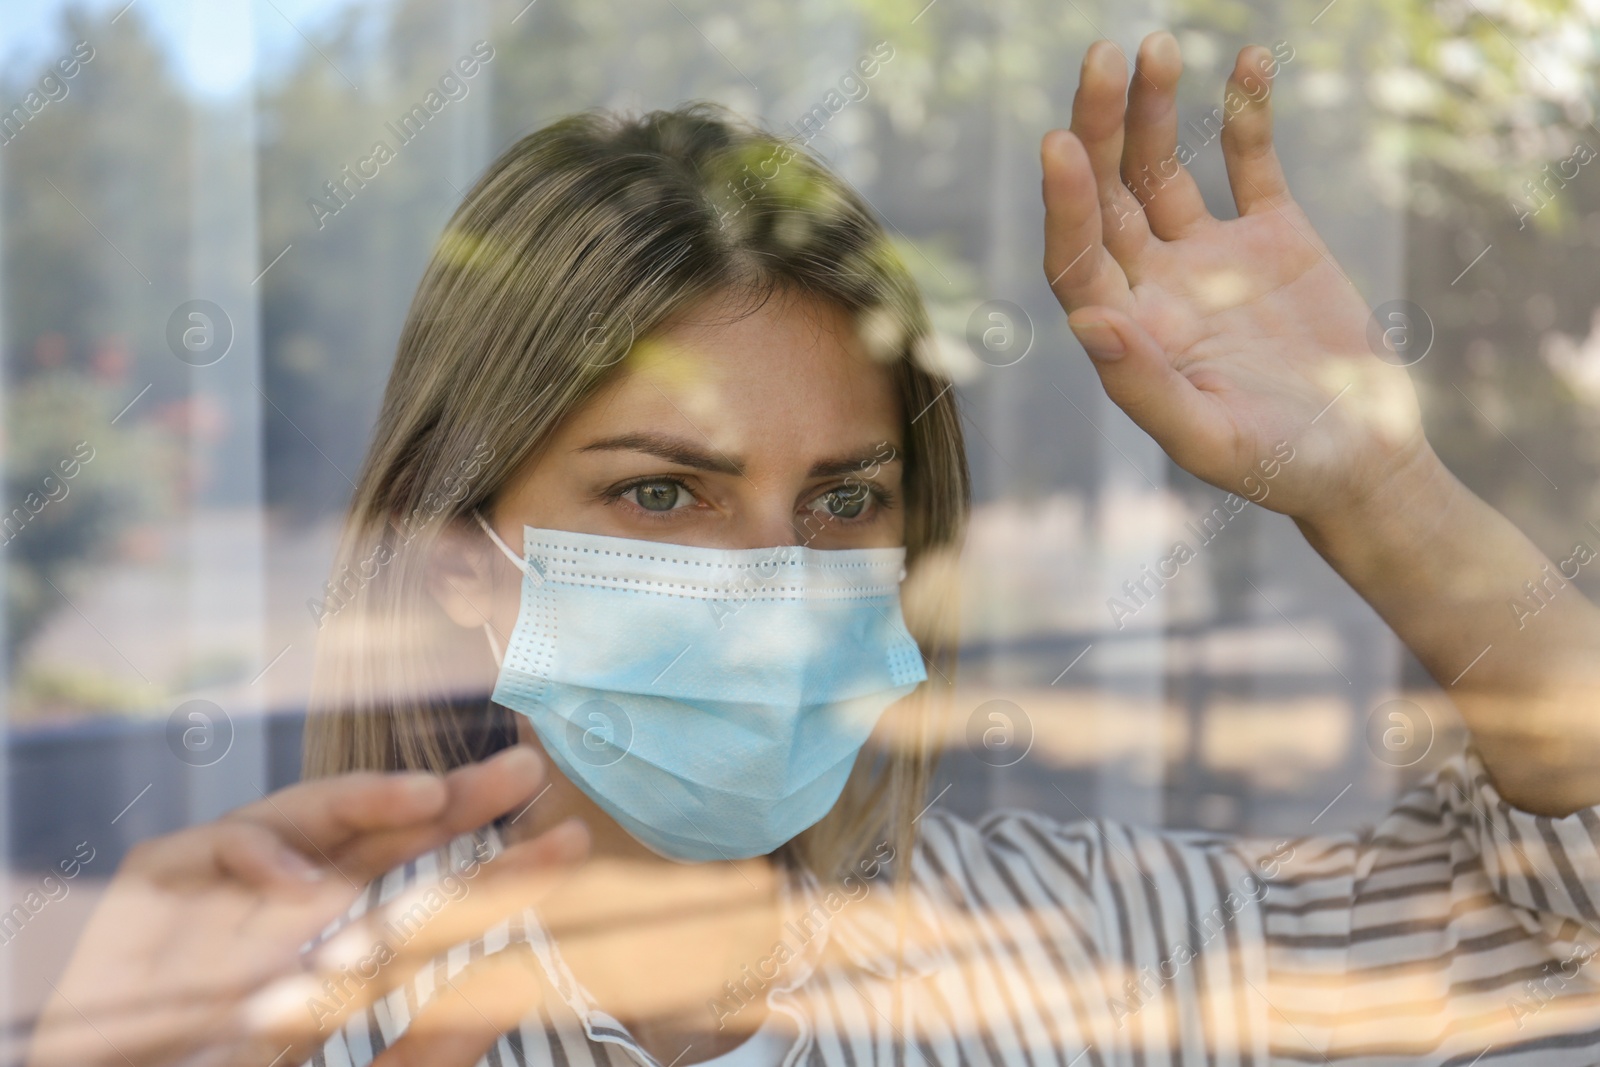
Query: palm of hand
1244	343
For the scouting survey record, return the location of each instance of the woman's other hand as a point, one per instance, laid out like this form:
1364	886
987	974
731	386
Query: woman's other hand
194	954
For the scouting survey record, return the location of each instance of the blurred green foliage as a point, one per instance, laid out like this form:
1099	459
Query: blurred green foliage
73	483
94	234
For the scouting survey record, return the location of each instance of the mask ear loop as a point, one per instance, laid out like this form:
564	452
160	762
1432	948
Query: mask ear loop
494	646
517	562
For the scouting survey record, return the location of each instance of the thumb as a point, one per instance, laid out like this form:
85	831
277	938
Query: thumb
1139	378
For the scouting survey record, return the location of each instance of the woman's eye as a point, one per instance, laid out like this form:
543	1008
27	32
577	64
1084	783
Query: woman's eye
660	496
846	502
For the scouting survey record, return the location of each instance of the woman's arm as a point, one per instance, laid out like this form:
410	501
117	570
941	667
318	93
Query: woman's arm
1448	573
1234	343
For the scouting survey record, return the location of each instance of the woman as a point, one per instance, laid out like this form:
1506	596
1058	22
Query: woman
660	436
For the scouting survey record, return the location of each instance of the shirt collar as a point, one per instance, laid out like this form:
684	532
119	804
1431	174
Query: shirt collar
861	925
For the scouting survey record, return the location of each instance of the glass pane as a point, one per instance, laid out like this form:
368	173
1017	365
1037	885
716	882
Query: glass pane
215	216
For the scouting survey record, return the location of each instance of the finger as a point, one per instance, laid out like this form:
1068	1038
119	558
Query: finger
257	857
1151	162
1097	120
1254	172
324	813
521	867
459	1025
475	795
1140	379
386	948
1080	271
215	875
431	917
362	824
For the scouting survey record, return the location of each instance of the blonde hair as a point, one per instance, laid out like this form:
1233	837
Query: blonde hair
582	238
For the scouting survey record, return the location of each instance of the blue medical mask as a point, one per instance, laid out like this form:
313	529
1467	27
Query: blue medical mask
711	701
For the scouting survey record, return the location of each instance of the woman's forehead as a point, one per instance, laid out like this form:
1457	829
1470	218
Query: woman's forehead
791	373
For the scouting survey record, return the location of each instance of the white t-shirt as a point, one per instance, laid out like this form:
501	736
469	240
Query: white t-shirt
764	1048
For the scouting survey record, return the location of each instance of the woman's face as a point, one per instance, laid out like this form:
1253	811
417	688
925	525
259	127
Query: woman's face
733	429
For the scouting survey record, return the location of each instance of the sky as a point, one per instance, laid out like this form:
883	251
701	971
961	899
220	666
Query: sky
217	46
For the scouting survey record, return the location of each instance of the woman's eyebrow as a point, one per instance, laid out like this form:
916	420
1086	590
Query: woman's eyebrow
687	454
859	463
673	449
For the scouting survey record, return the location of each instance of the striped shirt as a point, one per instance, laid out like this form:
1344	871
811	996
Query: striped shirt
1460	931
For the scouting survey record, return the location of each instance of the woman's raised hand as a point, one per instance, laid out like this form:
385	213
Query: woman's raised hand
194	954
1234	343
